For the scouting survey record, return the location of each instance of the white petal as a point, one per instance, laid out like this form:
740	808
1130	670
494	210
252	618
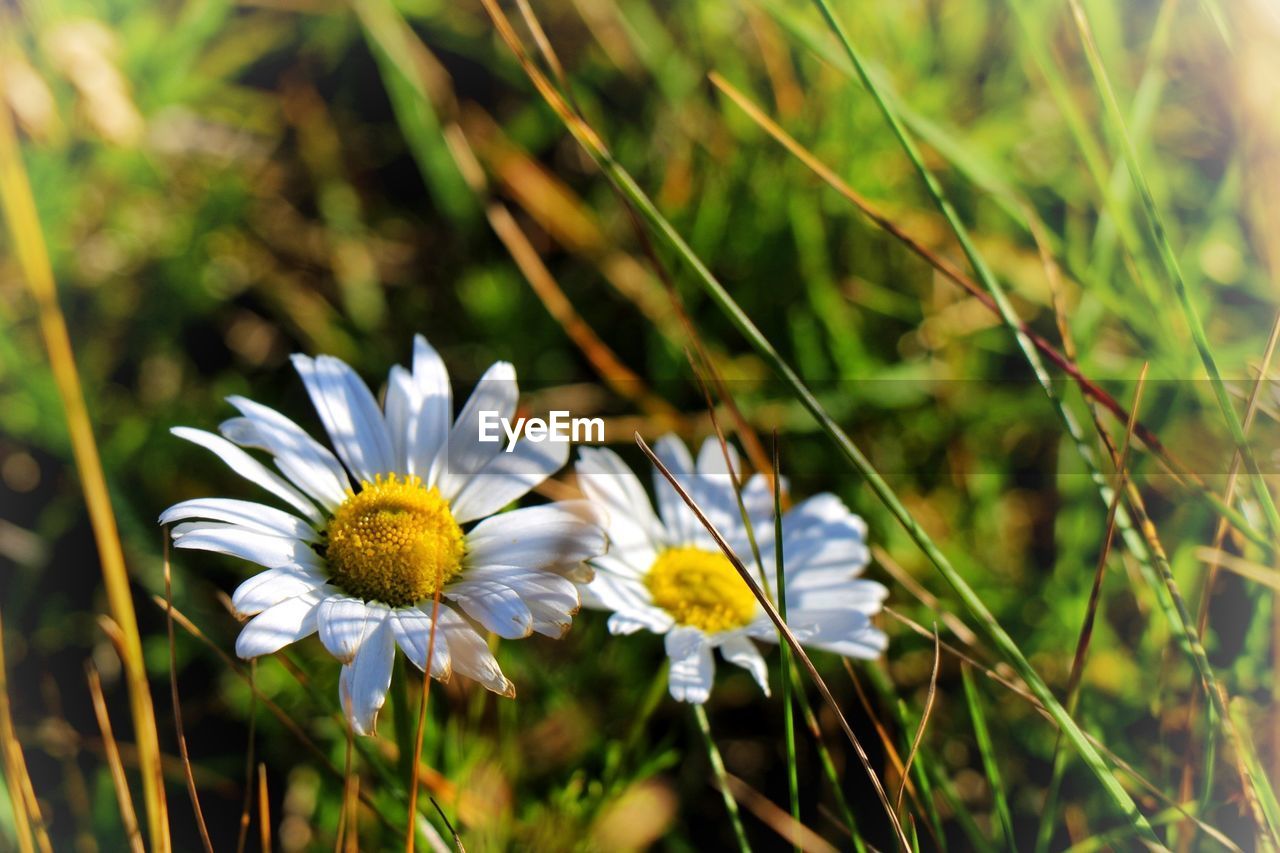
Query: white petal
278	626
864	596
434	411
742	652
649	619
247	514
494	605
470	654
251	469
692	666
845	632
261	548
307	462
562	533
711	458
679	520
344	623
412	627
269	588
400	410
713	491
552	600
608	483
463	454
616	592
508	477
350	415
364	682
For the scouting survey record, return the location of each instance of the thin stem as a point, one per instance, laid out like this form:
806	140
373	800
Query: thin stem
788	720
722	781
422	725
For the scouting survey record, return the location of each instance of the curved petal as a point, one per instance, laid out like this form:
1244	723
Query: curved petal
740	651
471	656
631	621
494	605
681	524
264	549
350	415
845	632
364	682
435	409
552	600
267	589
247	514
508	477
412	628
278	626
463	454
251	469
344	623
692	666
608	483
301	458
558	534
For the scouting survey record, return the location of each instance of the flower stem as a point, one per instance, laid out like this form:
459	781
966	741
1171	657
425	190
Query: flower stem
717	766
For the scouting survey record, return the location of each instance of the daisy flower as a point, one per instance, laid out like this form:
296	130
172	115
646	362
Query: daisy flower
664	573
408	507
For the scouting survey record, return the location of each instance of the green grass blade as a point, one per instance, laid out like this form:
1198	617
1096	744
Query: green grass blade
983	736
788	721
717	767
1160	235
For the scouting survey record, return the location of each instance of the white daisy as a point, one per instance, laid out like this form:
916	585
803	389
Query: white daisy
407	507
665	573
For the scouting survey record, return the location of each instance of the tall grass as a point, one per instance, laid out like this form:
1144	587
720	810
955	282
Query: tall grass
822	215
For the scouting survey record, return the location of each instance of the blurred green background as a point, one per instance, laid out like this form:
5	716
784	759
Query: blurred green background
221	184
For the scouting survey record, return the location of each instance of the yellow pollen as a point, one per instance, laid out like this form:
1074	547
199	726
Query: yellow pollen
394	541
700	588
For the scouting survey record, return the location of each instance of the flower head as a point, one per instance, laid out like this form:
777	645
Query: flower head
664	572
405	506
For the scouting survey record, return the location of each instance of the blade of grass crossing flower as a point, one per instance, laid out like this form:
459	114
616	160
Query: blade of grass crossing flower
788	721
594	147
177	703
717	767
33	258
783	630
988	753
1169	258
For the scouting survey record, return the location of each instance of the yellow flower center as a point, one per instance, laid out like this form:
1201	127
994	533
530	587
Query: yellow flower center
394	541
700	588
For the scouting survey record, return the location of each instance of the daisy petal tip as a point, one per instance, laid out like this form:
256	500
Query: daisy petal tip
509	690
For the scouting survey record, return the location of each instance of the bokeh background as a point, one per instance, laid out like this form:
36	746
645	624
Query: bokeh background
221	184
